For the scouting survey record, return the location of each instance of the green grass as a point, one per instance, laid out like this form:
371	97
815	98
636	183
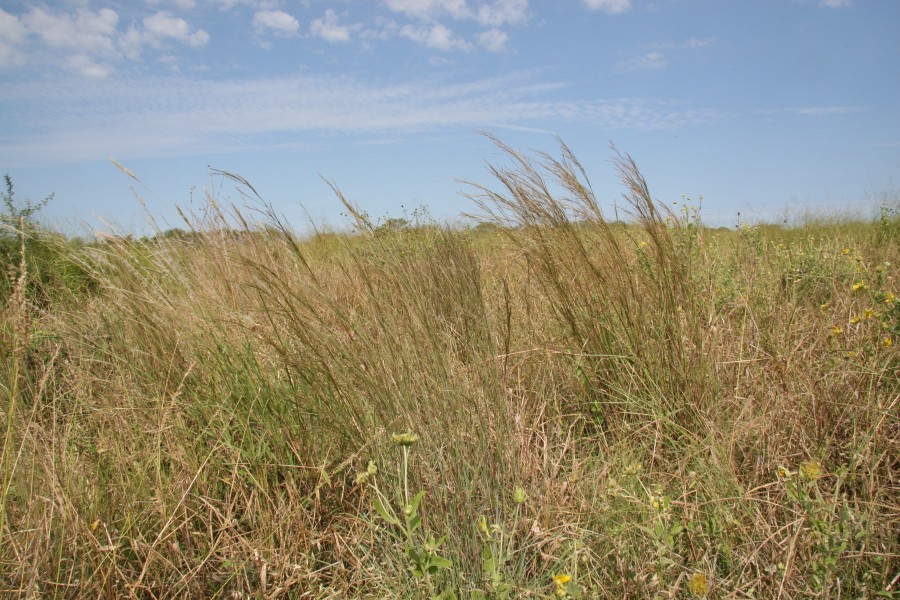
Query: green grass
644	409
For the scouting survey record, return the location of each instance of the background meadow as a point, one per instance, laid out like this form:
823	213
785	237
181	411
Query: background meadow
554	402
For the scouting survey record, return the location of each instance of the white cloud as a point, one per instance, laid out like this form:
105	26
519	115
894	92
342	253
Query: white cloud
493	39
162	25
650	60
182	4
85	31
503	12
90	42
157	29
13	37
227	5
488	14
613	7
277	21
430	10
329	29
87	67
836	3
437	36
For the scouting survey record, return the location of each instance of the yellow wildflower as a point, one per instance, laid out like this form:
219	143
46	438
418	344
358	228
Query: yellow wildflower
845	251
783	473
810	470
869	313
561	581
859	286
835	330
887	342
698	585
854	320
890	298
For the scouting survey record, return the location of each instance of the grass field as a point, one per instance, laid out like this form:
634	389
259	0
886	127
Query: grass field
551	404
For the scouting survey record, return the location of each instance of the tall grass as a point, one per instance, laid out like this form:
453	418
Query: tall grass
636	409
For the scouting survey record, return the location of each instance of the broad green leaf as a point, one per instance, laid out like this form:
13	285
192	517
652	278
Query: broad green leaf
414	504
659	530
441	562
414	522
379	507
490	564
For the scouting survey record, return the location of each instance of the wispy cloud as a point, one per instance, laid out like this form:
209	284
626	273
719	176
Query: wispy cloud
817	111
814	111
836	3
87	67
698	42
181	4
493	40
612	7
650	60
163	26
67	121
435	36
13	36
490	14
502	12
430	10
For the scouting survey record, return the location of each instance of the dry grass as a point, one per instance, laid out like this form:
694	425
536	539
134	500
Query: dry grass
194	426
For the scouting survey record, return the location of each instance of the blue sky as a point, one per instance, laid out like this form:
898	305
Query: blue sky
763	107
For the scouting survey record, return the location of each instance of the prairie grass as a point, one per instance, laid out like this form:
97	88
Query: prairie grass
602	409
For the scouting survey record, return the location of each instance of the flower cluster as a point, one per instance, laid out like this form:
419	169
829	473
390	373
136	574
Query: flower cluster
561	581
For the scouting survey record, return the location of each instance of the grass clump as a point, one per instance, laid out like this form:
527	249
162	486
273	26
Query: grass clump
591	407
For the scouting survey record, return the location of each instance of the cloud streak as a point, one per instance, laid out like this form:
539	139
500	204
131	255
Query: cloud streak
612	7
648	61
488	14
65	122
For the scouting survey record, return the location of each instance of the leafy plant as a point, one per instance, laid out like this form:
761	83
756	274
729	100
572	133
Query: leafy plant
402	512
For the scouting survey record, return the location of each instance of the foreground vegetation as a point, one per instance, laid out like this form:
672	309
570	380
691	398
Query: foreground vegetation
548	405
